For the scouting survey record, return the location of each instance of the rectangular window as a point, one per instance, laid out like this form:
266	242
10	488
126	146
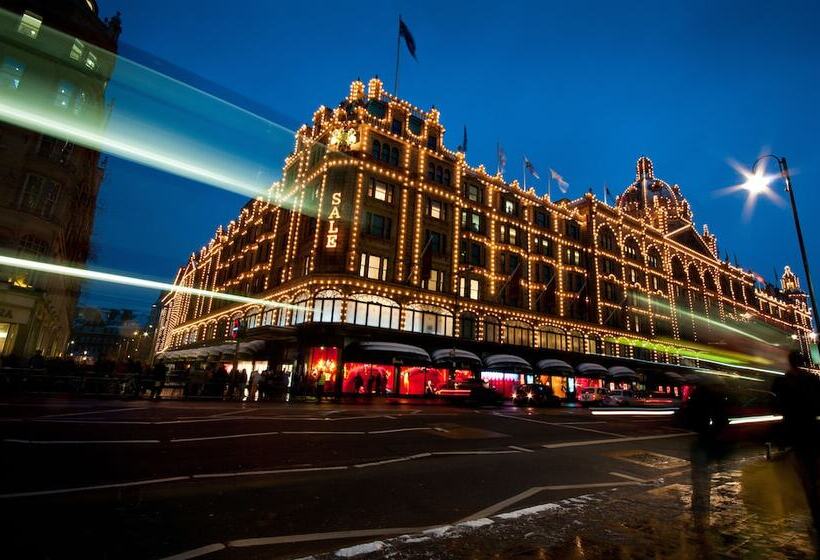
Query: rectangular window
469	288
436	281
542	219
373	267
435	209
438	242
472	221
475	193
377	225
543	246
609	292
572	256
471	253
508	206
575	282
381	191
573	229
432	141
395	126
609	266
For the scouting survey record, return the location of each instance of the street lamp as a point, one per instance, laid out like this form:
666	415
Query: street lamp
758	183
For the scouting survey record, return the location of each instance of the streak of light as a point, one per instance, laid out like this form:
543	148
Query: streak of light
132	281
633	412
756	419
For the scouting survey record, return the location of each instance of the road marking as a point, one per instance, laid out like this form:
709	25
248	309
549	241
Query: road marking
564	424
396	460
628	477
79	441
328	432
396	430
495	508
612	440
524	449
499	452
102	411
97	487
268	472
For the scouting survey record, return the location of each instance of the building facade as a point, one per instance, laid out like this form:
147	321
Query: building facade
378	232
55	54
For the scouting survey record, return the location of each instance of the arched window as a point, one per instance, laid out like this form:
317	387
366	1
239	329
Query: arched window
300	300
327	307
518	332
606	240
632	250
372	311
677	269
428	319
439	174
447	177
694	275
576	342
377	149
221	329
385	152
709	281
724	286
653	258
596	344
394	156
492	330
552	337
467	328
431	172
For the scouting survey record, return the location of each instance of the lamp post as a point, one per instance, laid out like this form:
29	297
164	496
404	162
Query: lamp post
756	184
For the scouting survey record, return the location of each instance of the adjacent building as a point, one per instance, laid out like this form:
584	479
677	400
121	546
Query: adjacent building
383	253
53	54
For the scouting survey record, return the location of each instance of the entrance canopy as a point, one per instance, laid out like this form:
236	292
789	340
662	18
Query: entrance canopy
554	367
589	369
506	362
463	358
251	349
386	353
622	372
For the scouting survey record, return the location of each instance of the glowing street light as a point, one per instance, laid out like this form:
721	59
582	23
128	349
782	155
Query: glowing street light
757	183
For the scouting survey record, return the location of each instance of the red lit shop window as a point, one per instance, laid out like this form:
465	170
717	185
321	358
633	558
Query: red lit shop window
504	383
322	361
366	379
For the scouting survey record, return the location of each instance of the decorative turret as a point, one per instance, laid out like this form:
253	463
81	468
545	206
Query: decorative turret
653	199
789	282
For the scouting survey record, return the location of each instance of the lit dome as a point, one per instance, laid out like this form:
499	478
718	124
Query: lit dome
648	195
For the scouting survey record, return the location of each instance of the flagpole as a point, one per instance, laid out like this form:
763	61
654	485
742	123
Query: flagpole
497	158
398	51
524	165
549	187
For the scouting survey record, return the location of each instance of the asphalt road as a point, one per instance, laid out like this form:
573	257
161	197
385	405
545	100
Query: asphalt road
141	479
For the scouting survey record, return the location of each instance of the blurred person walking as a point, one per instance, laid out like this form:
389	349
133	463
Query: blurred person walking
797	396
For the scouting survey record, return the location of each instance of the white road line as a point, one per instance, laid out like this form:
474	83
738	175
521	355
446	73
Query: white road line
268	472
97	487
320	433
79	441
591	485
628	477
396	460
564	424
524	449
612	440
495	508
396	430
100	411
333	535
230	436
500	452
197	552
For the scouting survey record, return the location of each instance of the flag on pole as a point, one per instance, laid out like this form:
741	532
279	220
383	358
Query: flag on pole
463	146
404	32
562	184
530	168
502	158
608	194
759	278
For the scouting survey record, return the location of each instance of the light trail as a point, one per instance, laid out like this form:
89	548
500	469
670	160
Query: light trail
756	419
120	279
633	412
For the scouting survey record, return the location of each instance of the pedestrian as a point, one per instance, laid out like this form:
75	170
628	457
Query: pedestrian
384	384
232	379
378	385
370	381
320	387
358	383
797	396
241	382
159	379
253	386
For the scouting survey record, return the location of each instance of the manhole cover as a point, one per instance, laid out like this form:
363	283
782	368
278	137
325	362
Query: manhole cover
650	459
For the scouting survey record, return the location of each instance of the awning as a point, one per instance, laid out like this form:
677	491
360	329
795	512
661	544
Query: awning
589	369
674	376
250	349
553	366
506	362
623	372
445	357
386	353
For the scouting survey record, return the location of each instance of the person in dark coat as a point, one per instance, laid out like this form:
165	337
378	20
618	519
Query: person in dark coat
358	383
797	396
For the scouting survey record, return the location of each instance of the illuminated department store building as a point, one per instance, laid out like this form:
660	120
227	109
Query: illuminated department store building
397	258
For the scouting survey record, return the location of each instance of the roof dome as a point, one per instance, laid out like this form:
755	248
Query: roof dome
647	195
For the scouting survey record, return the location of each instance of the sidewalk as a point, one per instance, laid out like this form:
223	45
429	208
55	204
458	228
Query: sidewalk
757	511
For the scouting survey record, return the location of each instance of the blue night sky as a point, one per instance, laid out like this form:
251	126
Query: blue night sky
582	87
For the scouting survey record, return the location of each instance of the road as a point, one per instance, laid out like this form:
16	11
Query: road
142	479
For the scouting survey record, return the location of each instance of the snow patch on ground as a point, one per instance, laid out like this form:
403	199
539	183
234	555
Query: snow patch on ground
475	523
438	531
412	540
528	511
359	549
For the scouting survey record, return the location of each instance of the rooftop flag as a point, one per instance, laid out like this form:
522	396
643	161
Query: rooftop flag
562	183
530	168
404	32
502	158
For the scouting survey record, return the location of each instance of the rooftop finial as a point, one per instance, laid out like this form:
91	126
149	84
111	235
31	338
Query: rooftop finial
644	169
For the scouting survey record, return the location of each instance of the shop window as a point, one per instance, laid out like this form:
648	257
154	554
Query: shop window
518	333
492	330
